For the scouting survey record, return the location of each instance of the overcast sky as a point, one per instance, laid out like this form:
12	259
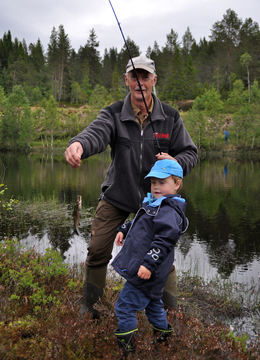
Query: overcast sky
144	21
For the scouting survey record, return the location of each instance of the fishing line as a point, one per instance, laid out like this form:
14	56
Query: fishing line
138	82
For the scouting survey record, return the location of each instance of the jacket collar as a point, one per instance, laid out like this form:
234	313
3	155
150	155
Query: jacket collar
157	202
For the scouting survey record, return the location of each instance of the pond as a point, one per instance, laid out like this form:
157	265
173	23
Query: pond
223	209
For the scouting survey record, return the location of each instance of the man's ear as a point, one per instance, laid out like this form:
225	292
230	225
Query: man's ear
126	80
155	80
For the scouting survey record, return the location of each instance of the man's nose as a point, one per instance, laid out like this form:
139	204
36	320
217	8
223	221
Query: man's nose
140	78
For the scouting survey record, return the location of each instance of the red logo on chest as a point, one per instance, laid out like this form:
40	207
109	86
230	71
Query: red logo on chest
161	135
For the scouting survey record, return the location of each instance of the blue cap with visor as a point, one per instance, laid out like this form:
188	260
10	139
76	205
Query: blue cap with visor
164	168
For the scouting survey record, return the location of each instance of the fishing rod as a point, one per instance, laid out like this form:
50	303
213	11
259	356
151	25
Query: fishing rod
138	82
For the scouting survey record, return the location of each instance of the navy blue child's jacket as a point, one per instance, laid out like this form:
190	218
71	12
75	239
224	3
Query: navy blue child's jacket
149	241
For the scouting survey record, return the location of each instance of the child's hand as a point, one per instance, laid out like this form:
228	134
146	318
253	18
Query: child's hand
119	240
144	273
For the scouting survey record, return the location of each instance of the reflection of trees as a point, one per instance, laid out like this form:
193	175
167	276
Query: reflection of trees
59	236
222	208
227	219
228	244
36	177
184	244
37	219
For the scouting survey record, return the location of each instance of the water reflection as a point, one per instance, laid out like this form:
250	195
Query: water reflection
223	210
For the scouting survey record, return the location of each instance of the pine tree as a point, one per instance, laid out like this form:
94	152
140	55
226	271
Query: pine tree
58	59
36	55
110	61
187	42
116	89
86	88
53	62
123	57
89	60
6	48
226	37
63	60
245	60
250	42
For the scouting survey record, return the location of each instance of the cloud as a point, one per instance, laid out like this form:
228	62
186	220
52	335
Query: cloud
144	21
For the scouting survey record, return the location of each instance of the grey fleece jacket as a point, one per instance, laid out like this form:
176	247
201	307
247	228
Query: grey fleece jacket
133	149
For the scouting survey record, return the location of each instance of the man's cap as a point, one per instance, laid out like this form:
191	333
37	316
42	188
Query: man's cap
164	168
141	62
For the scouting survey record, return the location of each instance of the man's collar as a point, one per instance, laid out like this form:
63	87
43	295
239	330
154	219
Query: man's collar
137	111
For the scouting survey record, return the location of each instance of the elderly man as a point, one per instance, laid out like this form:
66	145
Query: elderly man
125	126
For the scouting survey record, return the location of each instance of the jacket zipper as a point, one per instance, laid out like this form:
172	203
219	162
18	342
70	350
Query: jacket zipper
141	165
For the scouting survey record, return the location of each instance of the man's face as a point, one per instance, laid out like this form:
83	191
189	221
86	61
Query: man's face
147	81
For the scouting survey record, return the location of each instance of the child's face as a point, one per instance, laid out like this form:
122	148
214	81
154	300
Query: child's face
162	187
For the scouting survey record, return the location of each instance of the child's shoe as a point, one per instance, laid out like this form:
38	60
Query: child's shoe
126	341
162	335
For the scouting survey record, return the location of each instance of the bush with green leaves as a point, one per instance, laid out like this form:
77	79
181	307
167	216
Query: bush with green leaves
5	205
29	278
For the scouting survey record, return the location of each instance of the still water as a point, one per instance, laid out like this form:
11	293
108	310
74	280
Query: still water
223	210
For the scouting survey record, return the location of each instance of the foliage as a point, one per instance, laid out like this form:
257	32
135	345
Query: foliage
4	204
100	97
76	93
222	70
255	93
237	95
211	106
244	125
245	119
184	67
58	58
47	326
51	121
29	279
196	123
16	126
2	106
239	340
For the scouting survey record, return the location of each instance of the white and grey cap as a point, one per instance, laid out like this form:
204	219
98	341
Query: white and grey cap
141	62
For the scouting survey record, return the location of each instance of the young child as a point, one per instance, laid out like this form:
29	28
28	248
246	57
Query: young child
148	253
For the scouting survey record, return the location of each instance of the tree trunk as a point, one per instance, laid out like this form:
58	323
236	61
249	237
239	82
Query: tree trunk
253	142
248	85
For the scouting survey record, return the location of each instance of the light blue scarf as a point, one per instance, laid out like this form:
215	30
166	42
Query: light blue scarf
157	202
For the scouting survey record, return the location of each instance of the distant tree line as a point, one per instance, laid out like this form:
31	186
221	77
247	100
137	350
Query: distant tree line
219	77
185	68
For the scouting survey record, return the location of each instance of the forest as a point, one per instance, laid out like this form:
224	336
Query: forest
47	97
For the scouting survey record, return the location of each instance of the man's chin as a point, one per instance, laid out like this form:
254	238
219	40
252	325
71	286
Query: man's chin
139	97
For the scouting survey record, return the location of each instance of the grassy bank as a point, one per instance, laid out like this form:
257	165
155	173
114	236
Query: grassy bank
40	298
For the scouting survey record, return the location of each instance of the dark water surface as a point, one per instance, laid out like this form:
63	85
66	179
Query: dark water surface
223	239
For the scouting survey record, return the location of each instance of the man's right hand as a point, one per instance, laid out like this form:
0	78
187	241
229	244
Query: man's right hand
73	154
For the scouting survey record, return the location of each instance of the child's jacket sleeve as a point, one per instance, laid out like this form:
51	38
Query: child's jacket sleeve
125	228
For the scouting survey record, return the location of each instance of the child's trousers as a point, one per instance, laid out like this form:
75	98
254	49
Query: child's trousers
132	300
